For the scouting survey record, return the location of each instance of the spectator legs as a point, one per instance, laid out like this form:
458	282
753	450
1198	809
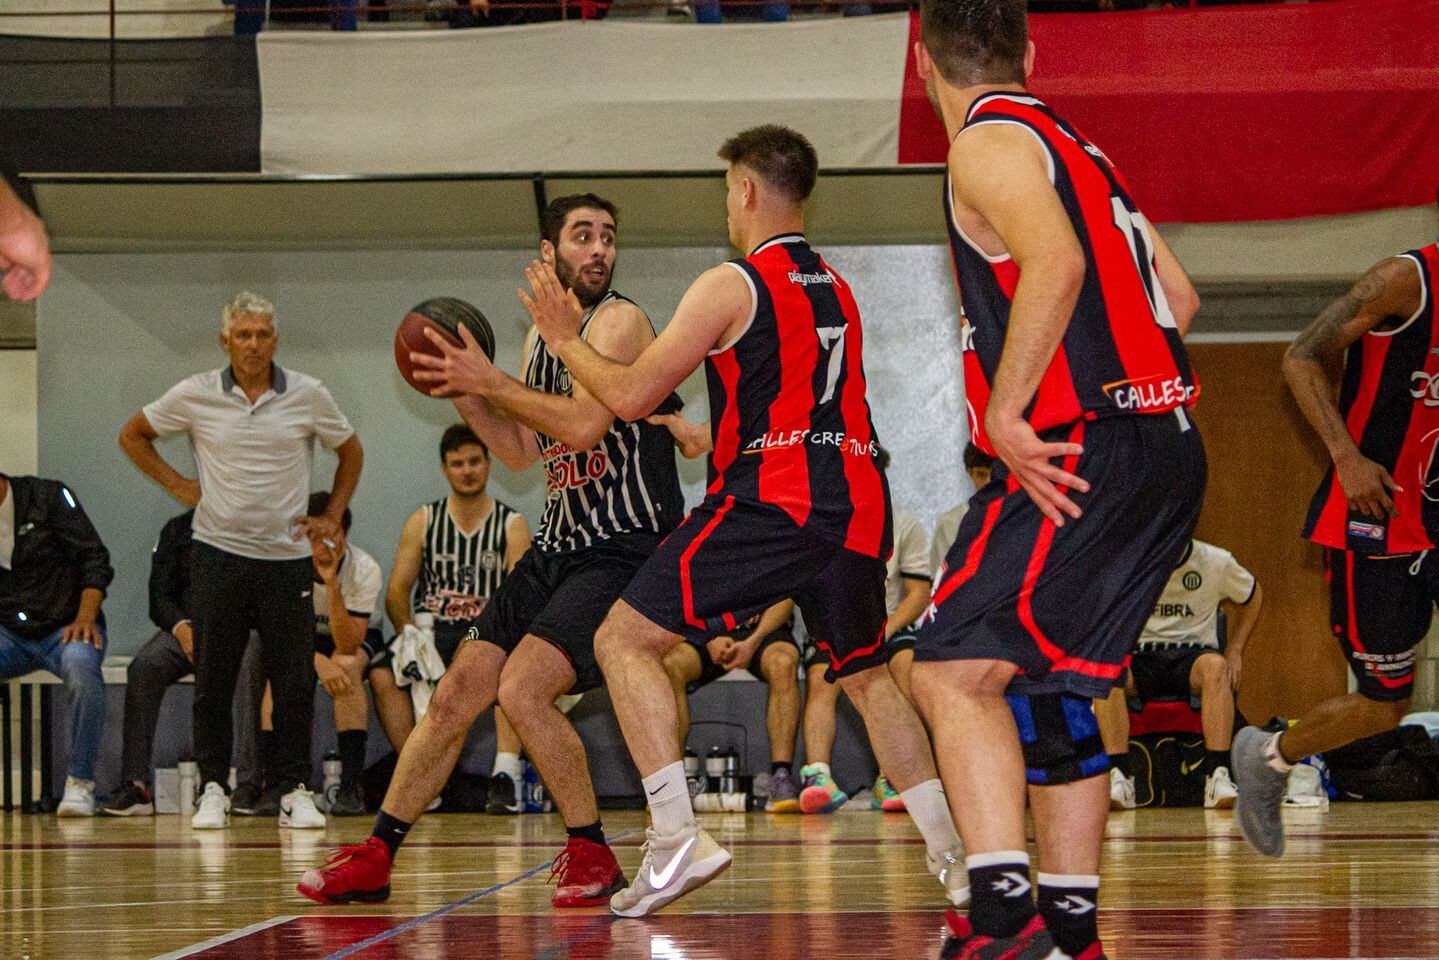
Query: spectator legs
160	663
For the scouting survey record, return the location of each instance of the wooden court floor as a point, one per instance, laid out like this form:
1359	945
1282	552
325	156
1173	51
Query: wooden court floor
1359	881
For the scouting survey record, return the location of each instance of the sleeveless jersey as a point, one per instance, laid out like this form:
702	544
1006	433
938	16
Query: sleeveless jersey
788	411
1389	398
627	484
1122	352
459	572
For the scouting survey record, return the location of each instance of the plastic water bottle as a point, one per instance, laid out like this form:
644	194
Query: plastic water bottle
332	778
694	780
189	786
533	797
714	770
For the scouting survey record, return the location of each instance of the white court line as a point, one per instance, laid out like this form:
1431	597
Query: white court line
225	938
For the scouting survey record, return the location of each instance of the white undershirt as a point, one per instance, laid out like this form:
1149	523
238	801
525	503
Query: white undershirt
7	526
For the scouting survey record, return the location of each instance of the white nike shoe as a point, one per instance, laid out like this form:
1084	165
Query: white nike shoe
1219	790
672	867
950	871
213	810
79	799
298	810
1121	791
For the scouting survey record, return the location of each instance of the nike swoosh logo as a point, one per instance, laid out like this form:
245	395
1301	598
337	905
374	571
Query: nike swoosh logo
657	789
660	880
1185	768
287	811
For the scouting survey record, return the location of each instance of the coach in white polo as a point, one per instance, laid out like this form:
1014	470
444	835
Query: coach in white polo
253	425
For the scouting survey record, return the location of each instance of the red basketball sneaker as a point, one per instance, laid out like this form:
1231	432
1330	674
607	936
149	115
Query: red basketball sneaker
587	874
354	874
1031	943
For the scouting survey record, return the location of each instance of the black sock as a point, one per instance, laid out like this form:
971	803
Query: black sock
1001	904
1214	759
352	754
1121	762
775	768
391	831
1068	905
269	770
594	833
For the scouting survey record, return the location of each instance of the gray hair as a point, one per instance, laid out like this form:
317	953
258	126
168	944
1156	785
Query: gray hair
250	305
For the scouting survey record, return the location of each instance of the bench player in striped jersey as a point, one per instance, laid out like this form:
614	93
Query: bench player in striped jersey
613	495
797	506
1376	513
453	555
1075	372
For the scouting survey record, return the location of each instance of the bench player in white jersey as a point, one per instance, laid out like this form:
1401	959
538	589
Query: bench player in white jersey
453	555
1179	656
613	496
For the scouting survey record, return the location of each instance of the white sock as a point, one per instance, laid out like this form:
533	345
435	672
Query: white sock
507	763
928	806
669	798
821	768
1274	757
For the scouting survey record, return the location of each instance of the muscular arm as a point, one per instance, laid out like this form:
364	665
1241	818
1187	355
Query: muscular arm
1179	292
346	629
347	477
137	439
1242	619
620	332
716	305
507	438
405	570
1390	288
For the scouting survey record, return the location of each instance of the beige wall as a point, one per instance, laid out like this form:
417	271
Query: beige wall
18	452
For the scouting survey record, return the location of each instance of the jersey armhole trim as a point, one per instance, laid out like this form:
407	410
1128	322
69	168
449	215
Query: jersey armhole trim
1423	298
954	219
753	309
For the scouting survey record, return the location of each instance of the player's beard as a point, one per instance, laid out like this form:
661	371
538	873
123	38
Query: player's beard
586	292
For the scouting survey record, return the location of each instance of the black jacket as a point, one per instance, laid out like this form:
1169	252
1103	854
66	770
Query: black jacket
57	555
170	574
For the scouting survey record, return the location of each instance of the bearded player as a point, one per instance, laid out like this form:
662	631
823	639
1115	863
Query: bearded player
1077	380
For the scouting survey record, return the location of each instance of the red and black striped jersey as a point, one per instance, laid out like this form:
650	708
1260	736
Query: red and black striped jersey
1121	353
788	410
1389	398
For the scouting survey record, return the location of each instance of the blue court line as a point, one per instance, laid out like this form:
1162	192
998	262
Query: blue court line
411	924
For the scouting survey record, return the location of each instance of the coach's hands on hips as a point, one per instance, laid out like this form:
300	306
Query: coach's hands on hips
1030	462
458	370
1366	486
556	311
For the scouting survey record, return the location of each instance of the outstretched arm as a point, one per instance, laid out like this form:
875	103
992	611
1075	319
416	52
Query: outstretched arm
1389	289
715	306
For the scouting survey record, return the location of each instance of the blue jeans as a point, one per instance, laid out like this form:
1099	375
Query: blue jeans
78	666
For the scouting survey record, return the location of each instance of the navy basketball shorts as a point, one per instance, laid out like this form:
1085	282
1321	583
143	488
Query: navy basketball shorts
563	598
1165	672
1379	609
1066	605
733	559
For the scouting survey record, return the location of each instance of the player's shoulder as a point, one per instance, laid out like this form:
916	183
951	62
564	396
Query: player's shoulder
618	313
364	563
1204	554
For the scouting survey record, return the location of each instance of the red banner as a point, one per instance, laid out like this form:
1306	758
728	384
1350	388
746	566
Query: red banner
1240	113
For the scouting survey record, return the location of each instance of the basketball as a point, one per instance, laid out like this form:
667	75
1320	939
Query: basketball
443	314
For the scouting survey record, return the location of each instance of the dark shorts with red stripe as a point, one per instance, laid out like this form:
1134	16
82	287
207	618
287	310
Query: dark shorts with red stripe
1067	604
733	559
1379	608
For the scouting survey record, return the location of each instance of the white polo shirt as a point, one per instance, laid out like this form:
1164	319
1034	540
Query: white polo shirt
1187	614
254	459
909	558
360	582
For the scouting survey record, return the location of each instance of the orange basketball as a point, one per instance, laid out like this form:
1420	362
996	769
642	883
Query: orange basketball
443	315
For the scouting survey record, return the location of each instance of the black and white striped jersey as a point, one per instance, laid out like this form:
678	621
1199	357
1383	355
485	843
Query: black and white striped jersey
626	484
460	571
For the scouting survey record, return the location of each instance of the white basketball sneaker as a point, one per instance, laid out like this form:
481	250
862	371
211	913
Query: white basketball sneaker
298	810
1121	791
1219	790
213	810
672	867
79	799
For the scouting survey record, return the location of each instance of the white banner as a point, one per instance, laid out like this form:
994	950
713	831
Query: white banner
596	95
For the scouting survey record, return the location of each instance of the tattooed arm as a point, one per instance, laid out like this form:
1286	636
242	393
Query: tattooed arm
1389	291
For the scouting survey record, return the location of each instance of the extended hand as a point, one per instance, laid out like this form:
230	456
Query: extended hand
24	249
1366	486
332	676
694	439
556	311
457	370
1030	463
83	631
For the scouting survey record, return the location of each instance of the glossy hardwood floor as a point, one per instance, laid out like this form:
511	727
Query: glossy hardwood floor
1359	881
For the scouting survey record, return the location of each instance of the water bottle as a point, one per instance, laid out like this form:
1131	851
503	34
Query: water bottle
693	778
714	770
533	797
189	786
729	774
332	778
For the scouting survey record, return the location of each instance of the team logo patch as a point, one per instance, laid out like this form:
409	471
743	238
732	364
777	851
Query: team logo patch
1192	580
563	384
1373	531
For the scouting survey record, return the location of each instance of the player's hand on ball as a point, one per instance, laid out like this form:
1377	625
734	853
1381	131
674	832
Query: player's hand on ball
1366	486
458	370
693	438
556	311
1030	462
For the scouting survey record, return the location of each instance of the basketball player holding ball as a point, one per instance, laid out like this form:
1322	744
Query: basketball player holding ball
614	494
1074	313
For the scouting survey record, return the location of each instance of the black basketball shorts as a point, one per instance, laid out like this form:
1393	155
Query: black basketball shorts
733	559
563	598
1066	605
1162	672
1379	610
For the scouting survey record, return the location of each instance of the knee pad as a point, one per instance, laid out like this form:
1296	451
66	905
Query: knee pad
1060	737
